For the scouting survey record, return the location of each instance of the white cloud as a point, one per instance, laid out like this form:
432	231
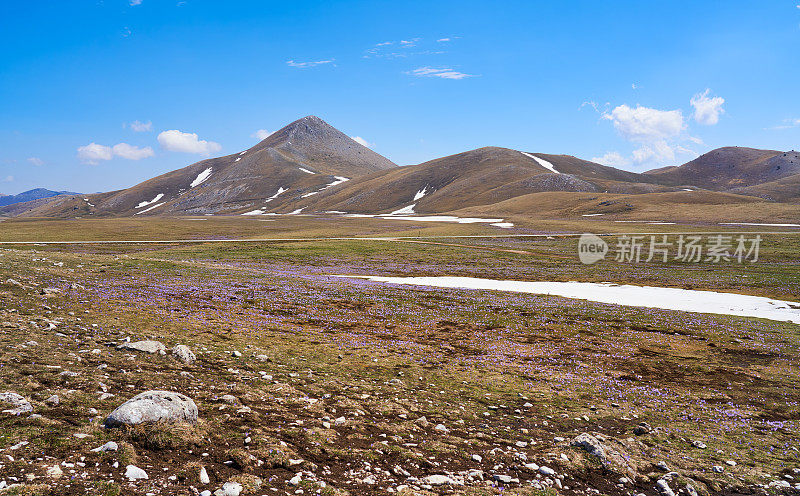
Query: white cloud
361	141
304	65
141	127
35	161
707	110
177	141
612	159
94	153
444	73
131	152
657	151
443	40
657	133
644	124
134	3
9	179
261	134
787	124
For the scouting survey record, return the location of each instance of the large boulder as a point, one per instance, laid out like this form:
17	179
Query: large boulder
154	406
147	346
184	354
20	404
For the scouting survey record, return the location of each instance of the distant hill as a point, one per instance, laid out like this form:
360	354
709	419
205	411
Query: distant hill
310	167
478	177
33	194
731	167
303	158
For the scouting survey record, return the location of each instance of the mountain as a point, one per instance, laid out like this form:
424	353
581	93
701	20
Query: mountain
478	177
303	158
731	167
33	194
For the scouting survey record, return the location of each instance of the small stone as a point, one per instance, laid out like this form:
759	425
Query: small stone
730	463
663	488
437	480
132	472
236	353
699	444
505	479
204	479
717	469
146	346
20	404
54	472
441	428
109	446
52	400
477	458
340	421
532	467
547	471
231	489
296	480
183	353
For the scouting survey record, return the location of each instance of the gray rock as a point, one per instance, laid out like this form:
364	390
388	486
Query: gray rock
231	489
547	471
53	400
663	488
147	346
183	353
591	445
717	469
20	404
109	446
437	480
505	479
154	406
642	429
132	472
204	479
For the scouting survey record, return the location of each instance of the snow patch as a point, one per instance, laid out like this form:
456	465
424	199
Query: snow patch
685	300
306	171
544	163
295	212
149	209
146	203
756	224
421	193
280	190
448	218
309	194
590	215
405	210
201	178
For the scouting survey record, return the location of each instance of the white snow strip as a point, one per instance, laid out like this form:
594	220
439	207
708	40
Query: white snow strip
238	159
201	178
405	210
756	224
154	200
295	212
590	215
334	212
243	153
544	163
421	193
338	180
309	194
149	209
442	218
357	216
280	190
504	225
687	189
685	300
306	171
260	211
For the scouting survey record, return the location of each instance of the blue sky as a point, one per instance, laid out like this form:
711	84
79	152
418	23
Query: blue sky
100	95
